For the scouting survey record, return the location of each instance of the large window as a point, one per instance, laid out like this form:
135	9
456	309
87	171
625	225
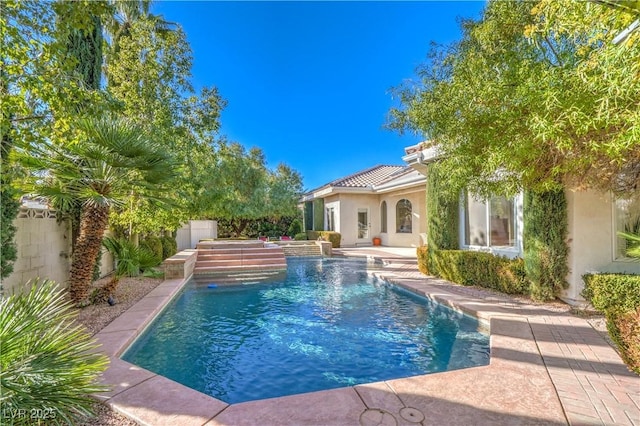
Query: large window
404	217
331	219
627	220
490	223
383	217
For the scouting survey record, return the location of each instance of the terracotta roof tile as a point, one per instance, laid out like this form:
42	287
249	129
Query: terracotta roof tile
368	178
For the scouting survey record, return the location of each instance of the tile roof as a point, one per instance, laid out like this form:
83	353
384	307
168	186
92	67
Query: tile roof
367	178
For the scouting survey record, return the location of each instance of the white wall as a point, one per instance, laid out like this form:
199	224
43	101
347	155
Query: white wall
195	230
591	240
44	249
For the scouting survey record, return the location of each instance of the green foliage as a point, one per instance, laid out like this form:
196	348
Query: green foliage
308	215
295	228
169	246
334	237
422	253
130	259
154	245
534	94
612	292
9	208
481	269
301	236
243	190
545	236
442	210
47	361
618	297
318	214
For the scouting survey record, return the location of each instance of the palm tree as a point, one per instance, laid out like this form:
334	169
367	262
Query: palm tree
114	159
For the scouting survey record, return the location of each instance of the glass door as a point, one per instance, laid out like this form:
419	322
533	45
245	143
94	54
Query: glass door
363	224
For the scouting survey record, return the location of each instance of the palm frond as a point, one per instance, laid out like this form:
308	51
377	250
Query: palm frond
47	360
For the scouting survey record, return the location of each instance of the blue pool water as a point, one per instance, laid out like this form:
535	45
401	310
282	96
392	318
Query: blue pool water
327	325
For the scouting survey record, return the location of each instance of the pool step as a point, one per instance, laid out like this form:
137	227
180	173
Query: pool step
236	278
232	258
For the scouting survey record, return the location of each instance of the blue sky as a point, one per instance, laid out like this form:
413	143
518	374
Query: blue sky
309	82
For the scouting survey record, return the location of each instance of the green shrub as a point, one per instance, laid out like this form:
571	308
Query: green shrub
612	292
334	237
295	228
300	236
423	259
130	260
169	246
481	269
154	244
617	296
47	362
545	237
318	214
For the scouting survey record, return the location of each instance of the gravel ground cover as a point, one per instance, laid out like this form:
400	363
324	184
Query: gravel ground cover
96	317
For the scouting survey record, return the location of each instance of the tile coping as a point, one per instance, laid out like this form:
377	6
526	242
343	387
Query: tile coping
521	385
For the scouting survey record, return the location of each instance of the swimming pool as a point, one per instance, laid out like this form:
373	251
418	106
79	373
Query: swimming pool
327	325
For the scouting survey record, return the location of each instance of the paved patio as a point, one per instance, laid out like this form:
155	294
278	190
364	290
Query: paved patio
547	368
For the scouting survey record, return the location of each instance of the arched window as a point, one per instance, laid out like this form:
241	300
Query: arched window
403	216
383	217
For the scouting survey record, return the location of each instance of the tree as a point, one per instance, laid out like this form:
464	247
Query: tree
114	158
534	96
149	74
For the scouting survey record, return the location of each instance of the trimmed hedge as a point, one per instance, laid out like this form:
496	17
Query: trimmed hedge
481	269
617	296
423	259
333	237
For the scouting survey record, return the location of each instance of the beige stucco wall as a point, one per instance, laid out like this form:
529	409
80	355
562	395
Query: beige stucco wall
391	238
44	247
346	207
347	225
591	240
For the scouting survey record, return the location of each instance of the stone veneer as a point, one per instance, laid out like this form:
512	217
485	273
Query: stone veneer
180	265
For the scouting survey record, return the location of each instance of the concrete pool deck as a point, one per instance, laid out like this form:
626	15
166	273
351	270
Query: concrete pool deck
547	368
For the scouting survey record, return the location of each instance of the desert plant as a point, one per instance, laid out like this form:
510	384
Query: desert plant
48	362
130	261
114	158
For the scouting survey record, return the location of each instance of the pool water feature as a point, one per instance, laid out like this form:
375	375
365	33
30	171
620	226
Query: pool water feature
329	324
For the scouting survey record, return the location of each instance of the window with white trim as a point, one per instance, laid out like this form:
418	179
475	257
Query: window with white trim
383	217
489	223
626	220
331	219
404	219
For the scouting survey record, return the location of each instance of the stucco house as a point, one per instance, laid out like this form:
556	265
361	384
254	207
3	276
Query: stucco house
385	202
594	220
